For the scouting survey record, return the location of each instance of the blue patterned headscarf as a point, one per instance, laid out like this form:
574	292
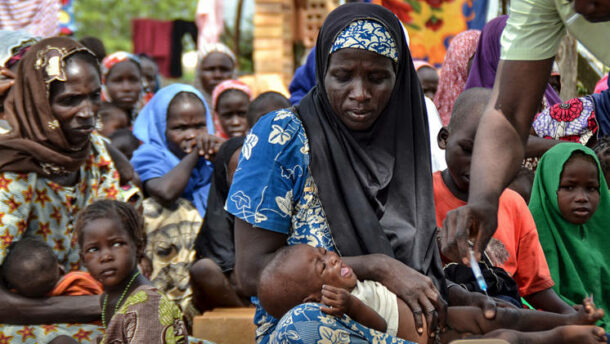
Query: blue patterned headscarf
153	159
368	35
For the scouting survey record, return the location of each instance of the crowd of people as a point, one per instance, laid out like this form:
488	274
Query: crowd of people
349	213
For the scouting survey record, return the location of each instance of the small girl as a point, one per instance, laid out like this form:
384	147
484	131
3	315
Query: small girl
111	239
572	216
230	100
173	160
122	81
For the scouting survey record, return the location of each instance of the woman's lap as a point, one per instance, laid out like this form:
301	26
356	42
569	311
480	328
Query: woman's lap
32	334
306	323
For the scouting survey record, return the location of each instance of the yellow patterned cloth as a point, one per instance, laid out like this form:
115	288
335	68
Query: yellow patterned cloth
146	316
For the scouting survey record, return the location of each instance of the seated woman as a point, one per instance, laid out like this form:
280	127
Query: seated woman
51	166
122	80
175	168
348	171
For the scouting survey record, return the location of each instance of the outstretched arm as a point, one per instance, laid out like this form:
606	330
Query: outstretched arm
498	150
18	310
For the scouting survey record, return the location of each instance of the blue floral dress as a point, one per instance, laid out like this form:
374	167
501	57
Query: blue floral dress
273	189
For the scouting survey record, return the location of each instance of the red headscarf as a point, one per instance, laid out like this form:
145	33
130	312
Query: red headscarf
454	72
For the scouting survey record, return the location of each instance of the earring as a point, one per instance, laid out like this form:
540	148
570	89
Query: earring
54	124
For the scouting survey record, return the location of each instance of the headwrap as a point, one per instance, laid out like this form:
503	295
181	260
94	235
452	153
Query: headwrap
577	255
602	84
12	43
572	121
37	142
209	48
455	72
153	159
215	239
421	63
485	63
375	186
220	89
108	62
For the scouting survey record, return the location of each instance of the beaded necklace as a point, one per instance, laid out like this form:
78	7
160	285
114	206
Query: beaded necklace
116	307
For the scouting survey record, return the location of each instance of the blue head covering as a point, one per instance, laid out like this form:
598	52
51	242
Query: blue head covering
153	159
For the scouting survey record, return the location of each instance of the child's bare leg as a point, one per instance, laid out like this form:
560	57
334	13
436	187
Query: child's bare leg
211	288
571	334
471	319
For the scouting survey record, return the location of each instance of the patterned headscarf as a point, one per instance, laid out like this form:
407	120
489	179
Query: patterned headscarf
572	121
454	72
37	142
110	61
367	35
220	89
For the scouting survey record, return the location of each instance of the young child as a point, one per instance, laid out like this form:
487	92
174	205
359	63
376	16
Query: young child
230	101
178	144
212	276
515	242
602	150
122	81
124	140
112	118
303	273
31	269
111	239
428	77
571	206
263	104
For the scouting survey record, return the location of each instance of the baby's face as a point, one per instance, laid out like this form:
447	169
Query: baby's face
323	267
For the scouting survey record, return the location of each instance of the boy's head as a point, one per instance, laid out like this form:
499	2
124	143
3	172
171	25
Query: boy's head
111	238
150	73
124	140
428	78
263	104
578	193
457	139
95	45
112	118
297	273
602	150
231	107
31	268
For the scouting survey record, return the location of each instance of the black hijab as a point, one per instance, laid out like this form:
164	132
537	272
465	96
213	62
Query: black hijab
375	186
215	239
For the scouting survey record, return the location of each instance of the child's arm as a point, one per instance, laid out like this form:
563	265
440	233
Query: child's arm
169	187
340	301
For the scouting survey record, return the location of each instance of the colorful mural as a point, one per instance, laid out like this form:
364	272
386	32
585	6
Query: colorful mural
432	23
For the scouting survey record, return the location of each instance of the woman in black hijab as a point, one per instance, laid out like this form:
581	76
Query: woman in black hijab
348	170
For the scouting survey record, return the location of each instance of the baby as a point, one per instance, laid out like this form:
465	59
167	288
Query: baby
302	273
31	269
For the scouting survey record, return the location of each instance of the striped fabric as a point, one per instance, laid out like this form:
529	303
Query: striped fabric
38	17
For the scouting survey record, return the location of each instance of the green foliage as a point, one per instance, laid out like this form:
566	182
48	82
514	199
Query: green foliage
110	20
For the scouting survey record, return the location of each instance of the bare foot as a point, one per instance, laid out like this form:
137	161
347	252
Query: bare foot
571	334
582	334
587	313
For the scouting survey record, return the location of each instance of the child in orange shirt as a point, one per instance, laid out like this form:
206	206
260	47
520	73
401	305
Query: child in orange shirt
515	246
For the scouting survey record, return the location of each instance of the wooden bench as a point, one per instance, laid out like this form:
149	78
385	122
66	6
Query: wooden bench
226	326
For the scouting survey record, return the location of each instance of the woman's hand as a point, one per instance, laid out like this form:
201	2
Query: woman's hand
7	79
416	290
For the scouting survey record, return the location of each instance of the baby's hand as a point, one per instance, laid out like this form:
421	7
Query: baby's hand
338	300
587	313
